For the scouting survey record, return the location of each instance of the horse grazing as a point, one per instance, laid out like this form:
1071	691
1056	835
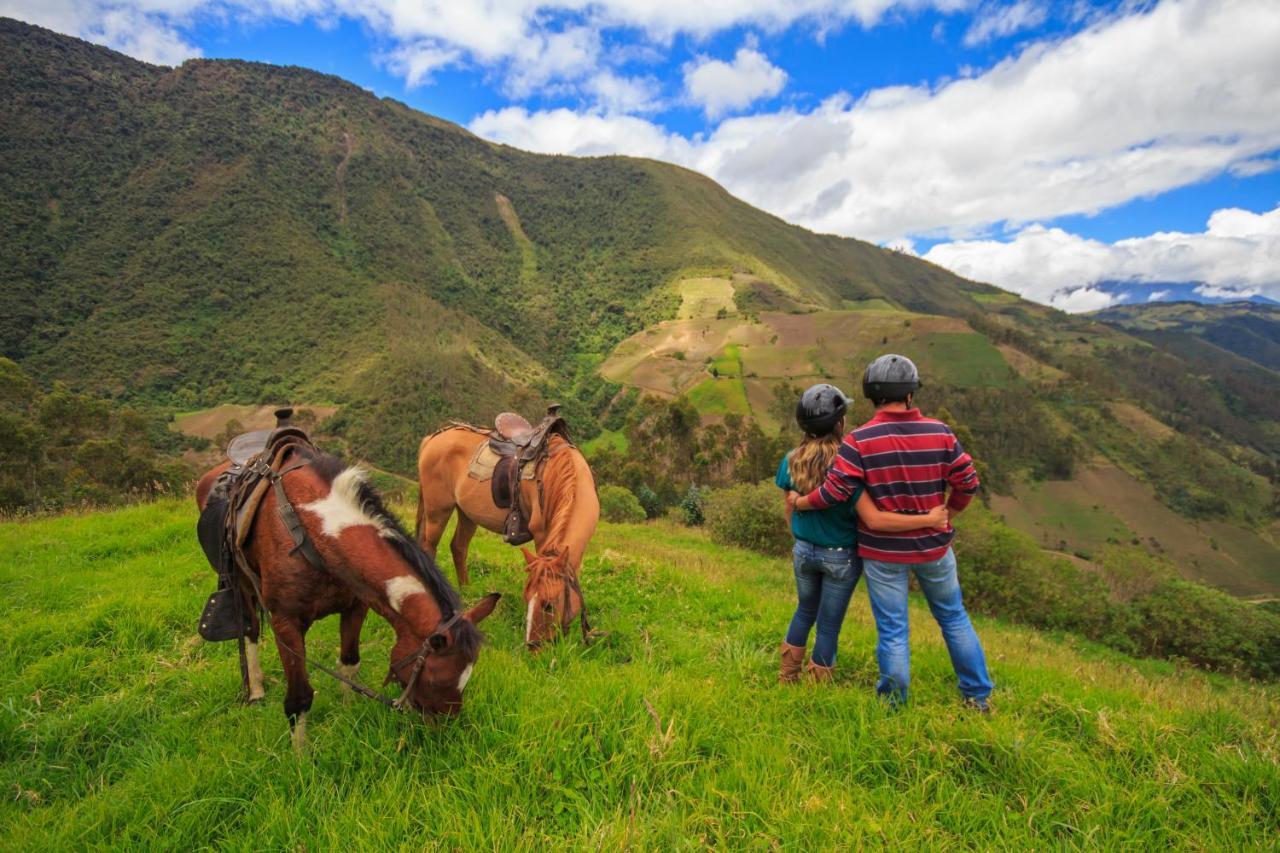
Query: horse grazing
564	511
368	561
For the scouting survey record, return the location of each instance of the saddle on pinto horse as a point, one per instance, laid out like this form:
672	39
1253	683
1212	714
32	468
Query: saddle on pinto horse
257	464
516	451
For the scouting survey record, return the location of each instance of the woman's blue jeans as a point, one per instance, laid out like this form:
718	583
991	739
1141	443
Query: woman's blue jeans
887	589
825	578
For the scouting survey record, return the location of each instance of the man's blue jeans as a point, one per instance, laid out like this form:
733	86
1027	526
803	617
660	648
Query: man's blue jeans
887	589
825	578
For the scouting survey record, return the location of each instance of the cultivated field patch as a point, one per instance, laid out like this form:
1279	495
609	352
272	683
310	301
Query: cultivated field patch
1102	502
705	297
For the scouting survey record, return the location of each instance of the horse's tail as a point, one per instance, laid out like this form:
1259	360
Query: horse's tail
421	518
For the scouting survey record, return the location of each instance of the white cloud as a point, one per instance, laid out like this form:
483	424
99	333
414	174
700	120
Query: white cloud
1002	21
416	62
721	87
1157	295
528	42
1128	108
615	94
1238	254
1212	292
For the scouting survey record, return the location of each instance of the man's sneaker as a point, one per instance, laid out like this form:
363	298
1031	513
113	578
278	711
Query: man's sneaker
974	703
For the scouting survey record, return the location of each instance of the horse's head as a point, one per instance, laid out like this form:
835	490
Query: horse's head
436	668
552	597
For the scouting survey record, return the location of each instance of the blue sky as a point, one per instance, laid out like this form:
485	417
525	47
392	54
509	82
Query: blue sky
1038	145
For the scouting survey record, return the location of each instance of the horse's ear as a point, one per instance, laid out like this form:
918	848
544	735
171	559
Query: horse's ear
528	555
482	608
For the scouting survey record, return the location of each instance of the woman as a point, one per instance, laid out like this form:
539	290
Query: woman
825	555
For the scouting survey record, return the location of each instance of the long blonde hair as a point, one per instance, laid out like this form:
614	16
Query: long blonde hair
809	462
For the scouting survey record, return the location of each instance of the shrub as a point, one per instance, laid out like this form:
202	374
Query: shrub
691	507
1208	628
617	504
750	516
650	501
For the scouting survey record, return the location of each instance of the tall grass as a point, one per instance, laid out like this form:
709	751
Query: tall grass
118	727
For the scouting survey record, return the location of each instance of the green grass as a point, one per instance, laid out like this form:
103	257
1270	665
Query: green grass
719	397
729	362
119	728
705	297
964	359
999	298
876	304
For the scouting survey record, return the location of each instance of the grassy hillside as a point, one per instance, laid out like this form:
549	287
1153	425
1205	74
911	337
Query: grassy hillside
118	726
1249	330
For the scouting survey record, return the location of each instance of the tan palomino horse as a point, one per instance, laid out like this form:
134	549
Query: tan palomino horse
562	522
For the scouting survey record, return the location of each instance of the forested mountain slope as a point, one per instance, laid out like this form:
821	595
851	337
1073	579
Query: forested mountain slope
232	232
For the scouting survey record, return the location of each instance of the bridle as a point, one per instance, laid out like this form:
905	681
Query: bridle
419	660
570	582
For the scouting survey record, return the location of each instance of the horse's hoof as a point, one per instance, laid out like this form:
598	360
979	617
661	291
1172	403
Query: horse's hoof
254	700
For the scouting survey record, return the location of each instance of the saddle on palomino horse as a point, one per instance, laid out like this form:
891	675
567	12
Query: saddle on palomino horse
516	451
257	464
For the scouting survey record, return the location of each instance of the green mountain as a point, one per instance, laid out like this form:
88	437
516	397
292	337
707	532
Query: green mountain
231	229
231	232
1248	329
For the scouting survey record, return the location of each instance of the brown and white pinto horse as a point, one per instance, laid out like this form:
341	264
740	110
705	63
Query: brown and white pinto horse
562	523
369	562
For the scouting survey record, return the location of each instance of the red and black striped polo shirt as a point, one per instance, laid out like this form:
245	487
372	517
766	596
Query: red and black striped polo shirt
907	462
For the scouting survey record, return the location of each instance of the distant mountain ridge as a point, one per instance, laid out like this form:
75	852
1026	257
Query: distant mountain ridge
1248	329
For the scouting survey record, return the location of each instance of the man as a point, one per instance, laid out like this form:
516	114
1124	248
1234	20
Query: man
907	463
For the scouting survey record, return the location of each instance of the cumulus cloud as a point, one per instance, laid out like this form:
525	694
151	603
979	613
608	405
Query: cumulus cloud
1072	126
720	87
997	22
531	44
1237	255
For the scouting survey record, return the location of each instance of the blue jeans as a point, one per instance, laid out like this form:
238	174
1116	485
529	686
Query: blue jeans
887	589
825	578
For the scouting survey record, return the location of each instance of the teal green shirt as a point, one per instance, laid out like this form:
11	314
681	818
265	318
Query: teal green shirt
833	527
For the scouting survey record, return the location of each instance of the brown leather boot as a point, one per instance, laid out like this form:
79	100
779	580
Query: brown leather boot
792	659
821	673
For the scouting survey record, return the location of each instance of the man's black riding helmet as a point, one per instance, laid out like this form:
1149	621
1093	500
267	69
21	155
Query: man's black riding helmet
890	377
820	408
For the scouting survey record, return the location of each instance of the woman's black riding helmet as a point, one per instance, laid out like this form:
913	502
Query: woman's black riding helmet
820	408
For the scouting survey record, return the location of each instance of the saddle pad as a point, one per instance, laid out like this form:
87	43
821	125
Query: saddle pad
485	460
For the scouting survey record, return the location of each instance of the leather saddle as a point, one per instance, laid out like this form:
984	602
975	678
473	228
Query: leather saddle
228	515
520	445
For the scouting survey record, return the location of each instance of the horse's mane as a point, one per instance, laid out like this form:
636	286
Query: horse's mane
328	467
559	491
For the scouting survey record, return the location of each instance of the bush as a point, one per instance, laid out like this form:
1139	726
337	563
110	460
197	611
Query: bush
691	507
750	516
617	504
1209	629
650	501
1130	600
